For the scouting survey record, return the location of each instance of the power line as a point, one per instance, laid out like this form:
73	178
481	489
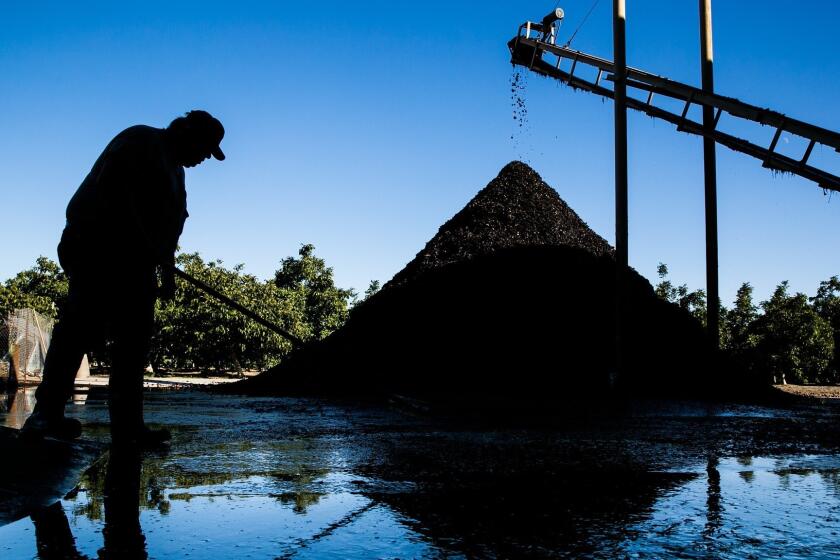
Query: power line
586	17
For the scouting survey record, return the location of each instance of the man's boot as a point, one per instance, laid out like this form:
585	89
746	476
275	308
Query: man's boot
127	426
41	424
143	437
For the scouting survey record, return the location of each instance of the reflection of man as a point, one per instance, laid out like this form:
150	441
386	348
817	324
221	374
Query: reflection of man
122	533
123	536
123	226
53	538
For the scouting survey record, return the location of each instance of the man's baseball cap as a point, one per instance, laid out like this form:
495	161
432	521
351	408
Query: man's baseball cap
208	128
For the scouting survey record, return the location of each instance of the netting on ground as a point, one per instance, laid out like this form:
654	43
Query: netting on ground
5	357
24	339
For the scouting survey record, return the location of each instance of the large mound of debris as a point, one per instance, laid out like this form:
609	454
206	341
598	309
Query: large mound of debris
517	209
512	299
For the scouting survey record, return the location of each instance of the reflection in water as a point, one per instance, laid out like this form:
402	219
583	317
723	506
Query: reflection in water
7	399
746	475
16	406
744	461
778	513
53	538
301	501
569	513
831	478
123	537
713	506
328	531
485	504
289	479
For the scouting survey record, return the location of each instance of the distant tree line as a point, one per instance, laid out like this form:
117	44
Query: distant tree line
789	337
194	331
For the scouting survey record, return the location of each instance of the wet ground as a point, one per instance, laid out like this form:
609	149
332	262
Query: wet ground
304	478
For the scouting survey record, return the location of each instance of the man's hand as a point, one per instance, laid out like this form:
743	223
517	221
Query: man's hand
166	291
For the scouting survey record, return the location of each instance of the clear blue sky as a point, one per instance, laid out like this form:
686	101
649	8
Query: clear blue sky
362	127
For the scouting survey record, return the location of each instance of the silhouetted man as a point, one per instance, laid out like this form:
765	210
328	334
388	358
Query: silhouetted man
122	230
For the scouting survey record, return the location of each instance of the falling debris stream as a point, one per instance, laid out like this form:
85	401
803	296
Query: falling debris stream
518	87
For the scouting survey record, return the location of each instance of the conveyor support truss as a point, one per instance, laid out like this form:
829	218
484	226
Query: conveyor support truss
537	51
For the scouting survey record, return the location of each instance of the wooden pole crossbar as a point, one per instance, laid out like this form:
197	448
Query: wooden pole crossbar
528	52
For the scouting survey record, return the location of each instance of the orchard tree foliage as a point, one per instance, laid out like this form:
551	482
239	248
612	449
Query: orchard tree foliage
372	289
194	331
794	342
788	338
309	280
693	302
738	335
42	288
827	305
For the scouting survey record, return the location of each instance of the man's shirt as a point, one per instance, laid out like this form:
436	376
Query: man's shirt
133	203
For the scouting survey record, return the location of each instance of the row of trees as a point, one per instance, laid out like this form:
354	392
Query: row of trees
789	337
195	332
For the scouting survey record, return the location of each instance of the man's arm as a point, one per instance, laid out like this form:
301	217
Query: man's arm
155	205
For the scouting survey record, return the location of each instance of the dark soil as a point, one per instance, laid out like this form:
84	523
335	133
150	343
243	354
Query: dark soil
826	394
513	301
517	209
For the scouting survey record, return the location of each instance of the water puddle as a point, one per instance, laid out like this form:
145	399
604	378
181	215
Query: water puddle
746	507
297	478
255	517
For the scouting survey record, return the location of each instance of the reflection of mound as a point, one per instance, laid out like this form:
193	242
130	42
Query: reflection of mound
526	511
574	488
513	297
586	515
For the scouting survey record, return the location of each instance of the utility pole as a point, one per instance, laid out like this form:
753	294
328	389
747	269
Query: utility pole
710	174
620	75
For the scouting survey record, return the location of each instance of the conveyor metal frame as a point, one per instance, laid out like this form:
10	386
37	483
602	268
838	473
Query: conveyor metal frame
531	53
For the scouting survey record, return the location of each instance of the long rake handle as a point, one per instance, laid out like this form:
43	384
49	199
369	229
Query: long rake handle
237	307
